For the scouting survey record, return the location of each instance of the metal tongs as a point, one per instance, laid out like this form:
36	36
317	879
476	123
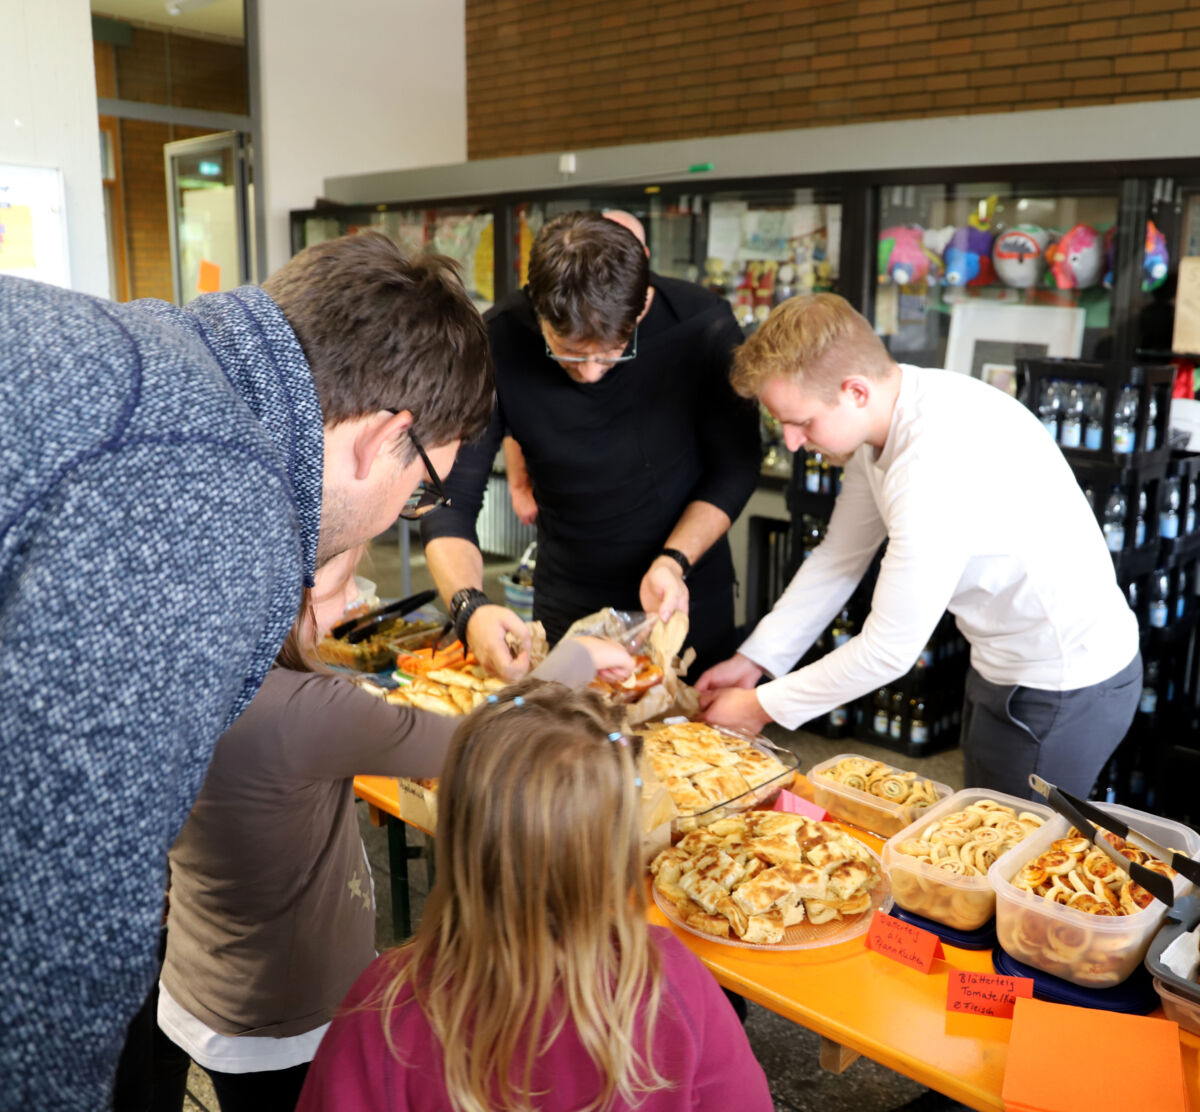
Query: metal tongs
359	629
1085	817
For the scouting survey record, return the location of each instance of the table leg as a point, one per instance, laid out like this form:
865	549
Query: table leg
398	872
430	876
836	1058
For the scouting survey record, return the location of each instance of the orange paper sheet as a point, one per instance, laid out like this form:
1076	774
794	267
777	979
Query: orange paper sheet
1144	1071
209	279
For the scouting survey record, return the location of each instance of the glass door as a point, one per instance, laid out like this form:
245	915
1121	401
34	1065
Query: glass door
208	188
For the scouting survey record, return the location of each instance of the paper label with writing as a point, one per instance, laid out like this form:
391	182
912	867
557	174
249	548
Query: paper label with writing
903	942
985	993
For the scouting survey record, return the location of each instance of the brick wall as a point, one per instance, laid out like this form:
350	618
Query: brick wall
162	68
561	74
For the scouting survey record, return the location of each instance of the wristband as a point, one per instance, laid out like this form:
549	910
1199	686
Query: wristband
680	559
463	604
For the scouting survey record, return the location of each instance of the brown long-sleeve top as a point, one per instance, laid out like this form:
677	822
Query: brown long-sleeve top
272	913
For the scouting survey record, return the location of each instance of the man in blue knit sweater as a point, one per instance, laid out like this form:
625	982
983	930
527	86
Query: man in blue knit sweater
169	482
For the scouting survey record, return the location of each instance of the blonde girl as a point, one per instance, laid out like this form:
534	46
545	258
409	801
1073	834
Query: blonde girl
534	981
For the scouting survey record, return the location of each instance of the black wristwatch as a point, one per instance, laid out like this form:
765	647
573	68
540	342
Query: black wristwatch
463	605
680	559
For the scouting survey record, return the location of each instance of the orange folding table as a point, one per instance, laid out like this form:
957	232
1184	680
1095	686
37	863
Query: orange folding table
858	1001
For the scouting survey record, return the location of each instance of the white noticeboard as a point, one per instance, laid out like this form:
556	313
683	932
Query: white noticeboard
33	224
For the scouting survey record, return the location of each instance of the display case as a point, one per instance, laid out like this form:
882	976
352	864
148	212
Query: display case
466	233
973	276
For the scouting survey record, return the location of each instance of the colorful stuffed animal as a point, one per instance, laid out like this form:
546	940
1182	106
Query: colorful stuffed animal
968	257
902	255
1077	259
1110	257
1156	263
1018	255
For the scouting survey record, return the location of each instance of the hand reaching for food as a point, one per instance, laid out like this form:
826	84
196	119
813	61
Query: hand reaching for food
737	671
500	641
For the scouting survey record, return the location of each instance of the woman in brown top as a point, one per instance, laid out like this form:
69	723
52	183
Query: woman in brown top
272	904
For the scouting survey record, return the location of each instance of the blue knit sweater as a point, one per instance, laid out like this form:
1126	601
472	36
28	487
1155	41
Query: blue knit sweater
160	496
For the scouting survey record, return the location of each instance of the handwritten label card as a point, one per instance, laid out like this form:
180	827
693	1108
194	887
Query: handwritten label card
903	942
985	993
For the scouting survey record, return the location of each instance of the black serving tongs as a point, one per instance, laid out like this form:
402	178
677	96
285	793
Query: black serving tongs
1085	817
359	629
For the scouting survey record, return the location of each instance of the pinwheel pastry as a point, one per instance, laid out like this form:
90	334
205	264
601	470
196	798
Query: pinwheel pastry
962	844
907	793
1078	876
704	767
752	876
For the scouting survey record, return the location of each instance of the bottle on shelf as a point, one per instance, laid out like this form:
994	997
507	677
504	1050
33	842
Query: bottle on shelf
1148	703
1125	420
826	476
1114	520
1071	429
1050	406
1189	516
918	721
1093	435
1168	516
1131	592
1139	522
1160	591
838	718
928	653
1181	591
1151	422
897	722
843	628
1089	492
812	473
883	702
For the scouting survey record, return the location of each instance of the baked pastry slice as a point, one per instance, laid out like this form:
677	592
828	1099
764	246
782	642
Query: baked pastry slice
764	929
718	785
763	891
776	848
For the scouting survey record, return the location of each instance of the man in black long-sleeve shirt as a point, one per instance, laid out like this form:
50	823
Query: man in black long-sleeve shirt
614	382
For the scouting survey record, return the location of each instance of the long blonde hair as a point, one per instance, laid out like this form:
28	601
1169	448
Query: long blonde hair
537	916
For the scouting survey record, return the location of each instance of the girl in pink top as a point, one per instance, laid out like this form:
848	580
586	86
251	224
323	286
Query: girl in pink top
533	981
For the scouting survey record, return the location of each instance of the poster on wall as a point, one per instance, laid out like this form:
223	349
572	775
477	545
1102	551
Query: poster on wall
988	338
33	224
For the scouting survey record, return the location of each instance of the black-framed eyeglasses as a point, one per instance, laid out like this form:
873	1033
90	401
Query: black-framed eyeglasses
430	494
600	361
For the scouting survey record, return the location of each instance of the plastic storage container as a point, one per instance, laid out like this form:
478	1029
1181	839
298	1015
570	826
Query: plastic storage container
862	808
965	903
1175	980
1093	951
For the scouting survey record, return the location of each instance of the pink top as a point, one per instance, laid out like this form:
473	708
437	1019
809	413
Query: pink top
698	1044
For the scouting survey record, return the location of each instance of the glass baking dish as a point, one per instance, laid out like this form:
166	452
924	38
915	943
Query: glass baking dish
757	795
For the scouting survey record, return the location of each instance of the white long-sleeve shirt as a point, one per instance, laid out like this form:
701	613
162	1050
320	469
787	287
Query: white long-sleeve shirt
983	517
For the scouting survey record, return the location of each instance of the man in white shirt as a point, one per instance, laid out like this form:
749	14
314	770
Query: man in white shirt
982	516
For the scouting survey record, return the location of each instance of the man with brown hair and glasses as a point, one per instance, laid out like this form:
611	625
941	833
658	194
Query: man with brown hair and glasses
614	382
170	479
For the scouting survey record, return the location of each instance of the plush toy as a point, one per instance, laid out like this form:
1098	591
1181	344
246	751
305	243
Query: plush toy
1110	257
902	255
968	257
1018	255
1077	259
716	276
785	283
1155	262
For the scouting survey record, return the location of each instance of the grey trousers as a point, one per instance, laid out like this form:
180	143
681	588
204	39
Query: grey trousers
1064	736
